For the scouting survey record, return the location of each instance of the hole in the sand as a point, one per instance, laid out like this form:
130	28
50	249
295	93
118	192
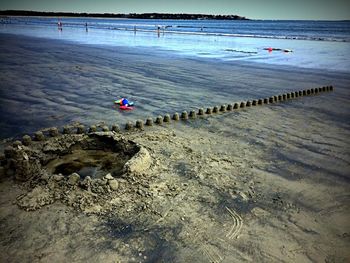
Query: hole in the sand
69	168
93	163
118	228
95	158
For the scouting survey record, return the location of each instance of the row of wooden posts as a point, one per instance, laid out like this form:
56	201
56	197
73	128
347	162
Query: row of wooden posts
184	116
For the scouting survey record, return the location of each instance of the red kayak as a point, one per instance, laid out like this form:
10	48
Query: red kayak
123	107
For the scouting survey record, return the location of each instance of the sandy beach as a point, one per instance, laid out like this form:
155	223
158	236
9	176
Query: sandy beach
262	184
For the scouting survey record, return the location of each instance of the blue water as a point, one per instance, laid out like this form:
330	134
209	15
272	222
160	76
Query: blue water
307	30
315	44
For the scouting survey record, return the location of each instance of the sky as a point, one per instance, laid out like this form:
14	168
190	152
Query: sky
254	9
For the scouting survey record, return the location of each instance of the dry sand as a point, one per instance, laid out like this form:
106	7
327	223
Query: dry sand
265	184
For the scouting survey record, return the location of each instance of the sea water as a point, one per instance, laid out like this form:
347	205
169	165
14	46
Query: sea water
313	44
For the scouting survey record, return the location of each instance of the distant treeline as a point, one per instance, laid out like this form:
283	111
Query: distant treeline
133	15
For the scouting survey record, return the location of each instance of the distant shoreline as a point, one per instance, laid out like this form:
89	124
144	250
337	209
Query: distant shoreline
132	15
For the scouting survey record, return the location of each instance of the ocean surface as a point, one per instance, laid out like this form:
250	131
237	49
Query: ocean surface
51	75
314	44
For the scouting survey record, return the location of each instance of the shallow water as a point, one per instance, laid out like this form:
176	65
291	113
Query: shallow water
315	44
282	29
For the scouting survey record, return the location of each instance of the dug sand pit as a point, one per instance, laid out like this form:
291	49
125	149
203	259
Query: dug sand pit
78	169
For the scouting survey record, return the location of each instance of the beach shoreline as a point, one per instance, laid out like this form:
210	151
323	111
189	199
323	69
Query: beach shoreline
74	79
266	183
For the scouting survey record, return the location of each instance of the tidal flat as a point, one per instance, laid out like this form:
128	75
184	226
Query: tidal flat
264	184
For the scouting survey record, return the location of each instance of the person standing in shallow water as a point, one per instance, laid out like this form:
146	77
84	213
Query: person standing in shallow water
59	24
86	27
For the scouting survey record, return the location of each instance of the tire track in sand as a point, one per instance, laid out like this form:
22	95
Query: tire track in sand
237	224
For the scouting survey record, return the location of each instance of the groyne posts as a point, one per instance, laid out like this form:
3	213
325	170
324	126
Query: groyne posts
184	116
40	136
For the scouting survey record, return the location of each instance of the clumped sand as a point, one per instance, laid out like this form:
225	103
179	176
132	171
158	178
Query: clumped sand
262	184
207	196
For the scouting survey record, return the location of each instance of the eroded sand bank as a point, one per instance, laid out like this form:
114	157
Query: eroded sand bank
269	184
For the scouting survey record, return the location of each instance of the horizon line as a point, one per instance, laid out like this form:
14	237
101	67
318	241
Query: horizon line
167	13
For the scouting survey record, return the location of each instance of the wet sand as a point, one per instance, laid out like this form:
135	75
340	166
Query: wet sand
51	83
265	184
